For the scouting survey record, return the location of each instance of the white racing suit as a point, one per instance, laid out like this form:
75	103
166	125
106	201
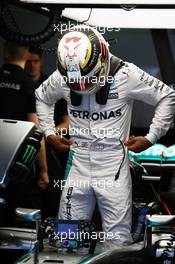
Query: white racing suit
97	168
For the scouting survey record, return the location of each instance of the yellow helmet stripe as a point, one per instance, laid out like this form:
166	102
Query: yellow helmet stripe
89	50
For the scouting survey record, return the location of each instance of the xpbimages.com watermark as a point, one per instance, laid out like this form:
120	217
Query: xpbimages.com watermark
100	133
101	236
100	183
93	80
62	27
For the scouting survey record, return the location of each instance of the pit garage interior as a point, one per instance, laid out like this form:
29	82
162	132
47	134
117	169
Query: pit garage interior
142	32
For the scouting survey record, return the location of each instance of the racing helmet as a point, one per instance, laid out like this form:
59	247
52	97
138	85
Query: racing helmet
83	59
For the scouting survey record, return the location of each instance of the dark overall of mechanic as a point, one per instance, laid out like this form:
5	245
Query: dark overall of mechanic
17	99
17	102
100	117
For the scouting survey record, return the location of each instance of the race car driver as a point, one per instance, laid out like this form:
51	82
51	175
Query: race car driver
100	90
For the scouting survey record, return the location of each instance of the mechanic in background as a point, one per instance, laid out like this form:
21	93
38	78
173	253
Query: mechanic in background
17	101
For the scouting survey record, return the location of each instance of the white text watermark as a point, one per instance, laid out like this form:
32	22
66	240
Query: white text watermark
62	27
75	131
78	183
101	236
